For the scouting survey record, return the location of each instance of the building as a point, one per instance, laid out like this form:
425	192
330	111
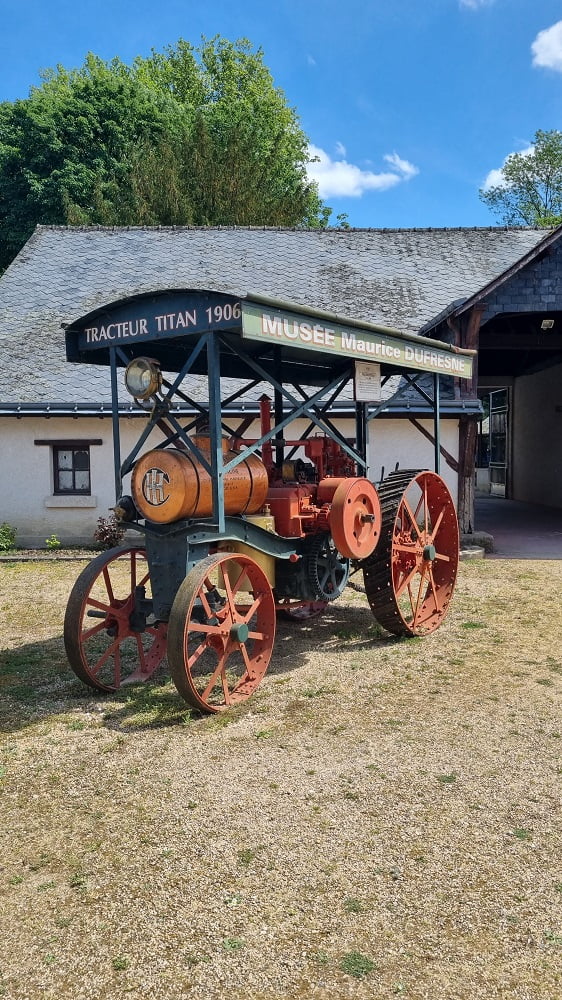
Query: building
496	290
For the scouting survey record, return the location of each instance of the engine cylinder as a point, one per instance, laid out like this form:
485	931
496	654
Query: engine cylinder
169	485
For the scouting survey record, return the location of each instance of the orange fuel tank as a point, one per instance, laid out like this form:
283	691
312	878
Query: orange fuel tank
169	485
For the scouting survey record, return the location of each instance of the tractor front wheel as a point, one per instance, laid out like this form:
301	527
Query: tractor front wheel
221	631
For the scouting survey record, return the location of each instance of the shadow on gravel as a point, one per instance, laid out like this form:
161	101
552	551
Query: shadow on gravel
37	684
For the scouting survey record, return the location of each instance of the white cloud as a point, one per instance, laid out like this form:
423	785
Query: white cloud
495	177
311	60
408	170
338	178
340	149
547	48
475	4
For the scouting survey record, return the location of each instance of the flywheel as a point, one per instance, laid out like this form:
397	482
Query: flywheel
410	577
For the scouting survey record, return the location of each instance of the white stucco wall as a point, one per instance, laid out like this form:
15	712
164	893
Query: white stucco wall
392	441
26	496
536	475
27	501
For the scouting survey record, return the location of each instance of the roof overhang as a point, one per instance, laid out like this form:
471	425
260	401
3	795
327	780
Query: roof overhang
306	345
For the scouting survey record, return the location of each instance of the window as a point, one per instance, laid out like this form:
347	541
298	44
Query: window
71	469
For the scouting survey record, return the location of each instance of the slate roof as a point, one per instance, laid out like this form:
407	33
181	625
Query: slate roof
394	277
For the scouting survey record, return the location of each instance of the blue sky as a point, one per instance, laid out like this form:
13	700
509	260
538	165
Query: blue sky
409	104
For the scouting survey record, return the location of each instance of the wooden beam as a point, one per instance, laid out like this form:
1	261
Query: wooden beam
450	459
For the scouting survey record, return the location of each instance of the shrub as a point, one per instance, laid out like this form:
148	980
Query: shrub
109	532
52	542
7	537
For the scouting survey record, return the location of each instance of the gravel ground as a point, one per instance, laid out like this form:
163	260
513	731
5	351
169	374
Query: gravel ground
381	819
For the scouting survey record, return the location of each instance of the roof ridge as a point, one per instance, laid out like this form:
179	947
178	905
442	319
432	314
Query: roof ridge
296	229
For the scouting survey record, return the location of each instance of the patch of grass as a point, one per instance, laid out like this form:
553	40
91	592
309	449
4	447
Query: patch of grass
320	957
357	965
245	856
233	944
352	905
521	833
447	779
120	963
473	625
317	692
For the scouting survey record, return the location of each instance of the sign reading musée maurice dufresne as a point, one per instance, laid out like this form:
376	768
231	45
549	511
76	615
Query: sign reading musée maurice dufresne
279	326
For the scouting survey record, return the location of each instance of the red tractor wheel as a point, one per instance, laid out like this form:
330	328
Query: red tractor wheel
221	631
107	641
410	577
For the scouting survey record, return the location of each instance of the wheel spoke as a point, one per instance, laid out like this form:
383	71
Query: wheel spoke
408	510
246	614
110	651
108	586
440	517
406	581
194	656
218	670
88	633
246	658
421	587
432	587
225	688
142	657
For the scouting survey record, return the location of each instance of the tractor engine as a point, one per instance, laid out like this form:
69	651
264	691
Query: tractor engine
333	515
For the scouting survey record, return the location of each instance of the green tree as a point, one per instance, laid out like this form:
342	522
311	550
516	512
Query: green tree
190	135
530	192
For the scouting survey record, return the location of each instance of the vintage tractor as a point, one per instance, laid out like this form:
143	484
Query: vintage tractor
238	528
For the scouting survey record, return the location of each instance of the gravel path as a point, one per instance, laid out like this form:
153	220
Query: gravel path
382	819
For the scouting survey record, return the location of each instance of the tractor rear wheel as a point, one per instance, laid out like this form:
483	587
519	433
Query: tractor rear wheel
410	577
221	631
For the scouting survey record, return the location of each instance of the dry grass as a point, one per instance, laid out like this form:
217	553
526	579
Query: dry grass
382	819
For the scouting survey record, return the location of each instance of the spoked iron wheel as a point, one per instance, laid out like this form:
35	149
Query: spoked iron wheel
106	639
411	575
221	631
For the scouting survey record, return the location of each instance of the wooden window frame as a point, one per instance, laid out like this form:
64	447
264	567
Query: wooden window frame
58	491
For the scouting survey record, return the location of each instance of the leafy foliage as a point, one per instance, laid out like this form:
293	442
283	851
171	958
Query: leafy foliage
531	188
109	532
7	537
187	136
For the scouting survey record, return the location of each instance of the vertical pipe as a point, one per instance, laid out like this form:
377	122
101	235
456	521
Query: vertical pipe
436	420
361	430
215	429
278	415
115	423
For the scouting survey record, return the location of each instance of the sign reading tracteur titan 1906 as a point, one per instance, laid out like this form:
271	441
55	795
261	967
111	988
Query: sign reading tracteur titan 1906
158	318
278	326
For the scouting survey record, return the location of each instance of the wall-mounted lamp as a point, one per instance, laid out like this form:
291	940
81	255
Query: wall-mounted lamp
547	324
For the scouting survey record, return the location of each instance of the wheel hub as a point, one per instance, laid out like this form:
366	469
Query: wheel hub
239	632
